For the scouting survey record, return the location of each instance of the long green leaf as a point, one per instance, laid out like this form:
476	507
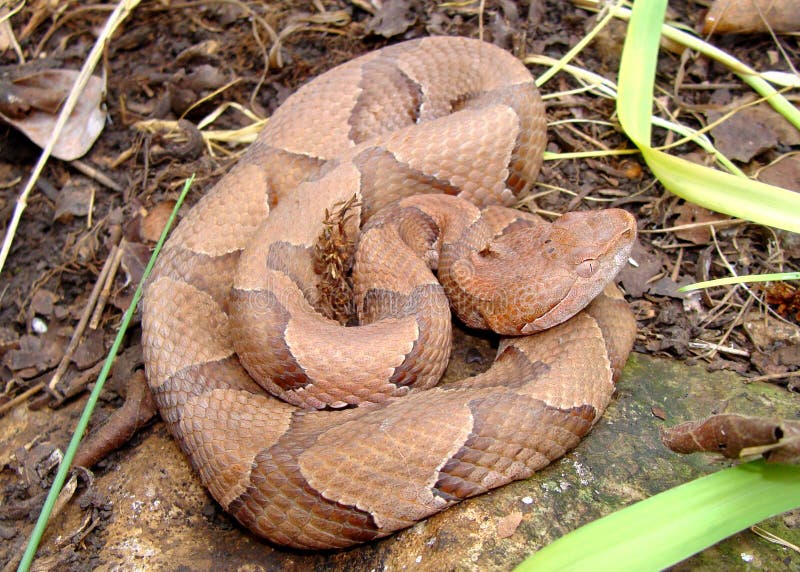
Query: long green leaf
662	530
722	192
748	279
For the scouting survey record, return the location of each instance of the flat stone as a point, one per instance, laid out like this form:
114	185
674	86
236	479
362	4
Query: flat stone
162	517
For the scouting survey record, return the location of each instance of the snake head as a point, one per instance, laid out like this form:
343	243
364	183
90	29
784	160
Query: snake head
542	275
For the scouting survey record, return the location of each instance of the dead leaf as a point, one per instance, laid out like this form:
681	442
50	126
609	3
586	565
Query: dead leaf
18	100
35	354
508	525
778	360
36	463
43	303
783	173
764	330
35	95
751	17
737	436
504	24
666	286
635	278
91	350
751	131
155	220
74	199
134	258
690	214
784	297
205	77
392	19
658	412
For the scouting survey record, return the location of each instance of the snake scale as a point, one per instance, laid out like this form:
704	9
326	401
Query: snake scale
433	138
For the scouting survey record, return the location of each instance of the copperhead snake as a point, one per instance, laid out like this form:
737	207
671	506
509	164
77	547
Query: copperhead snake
424	134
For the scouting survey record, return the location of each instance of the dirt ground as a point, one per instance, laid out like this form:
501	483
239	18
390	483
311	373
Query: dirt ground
185	60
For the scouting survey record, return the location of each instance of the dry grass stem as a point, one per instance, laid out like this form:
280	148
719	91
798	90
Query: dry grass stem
83	322
117	252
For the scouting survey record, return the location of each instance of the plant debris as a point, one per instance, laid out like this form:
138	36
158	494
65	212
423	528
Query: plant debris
737	436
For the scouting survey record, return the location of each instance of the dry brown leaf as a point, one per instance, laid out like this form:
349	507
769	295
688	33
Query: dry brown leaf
155	220
392	19
91	350
690	214
764	330
508	525
736	436
35	354
752	16
37	98
750	131
784	173
75	198
636	279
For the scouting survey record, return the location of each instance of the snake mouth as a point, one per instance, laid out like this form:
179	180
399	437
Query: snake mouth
562	311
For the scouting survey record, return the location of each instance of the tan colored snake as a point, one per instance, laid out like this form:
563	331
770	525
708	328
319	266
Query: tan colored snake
230	309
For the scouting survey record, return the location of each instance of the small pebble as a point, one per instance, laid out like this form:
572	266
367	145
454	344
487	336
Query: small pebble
38	325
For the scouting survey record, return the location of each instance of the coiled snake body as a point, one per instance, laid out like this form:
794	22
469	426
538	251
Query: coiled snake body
230	309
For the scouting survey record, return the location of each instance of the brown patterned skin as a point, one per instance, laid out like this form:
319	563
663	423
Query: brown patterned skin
230	308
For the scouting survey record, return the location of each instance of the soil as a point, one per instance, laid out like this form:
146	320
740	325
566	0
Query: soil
173	61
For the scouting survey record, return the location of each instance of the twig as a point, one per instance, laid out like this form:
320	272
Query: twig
719	346
771	376
95	174
81	327
691	225
137	410
766	534
20	398
114	20
12	39
481	8
713	348
79	383
109	281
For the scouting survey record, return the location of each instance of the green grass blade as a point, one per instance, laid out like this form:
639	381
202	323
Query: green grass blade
736	196
578	48
724	193
83	422
637	70
778	276
759	82
669	527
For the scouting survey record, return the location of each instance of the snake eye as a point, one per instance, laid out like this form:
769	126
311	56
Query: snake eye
586	268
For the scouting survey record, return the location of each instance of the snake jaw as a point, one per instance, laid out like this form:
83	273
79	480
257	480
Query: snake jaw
568	263
601	252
